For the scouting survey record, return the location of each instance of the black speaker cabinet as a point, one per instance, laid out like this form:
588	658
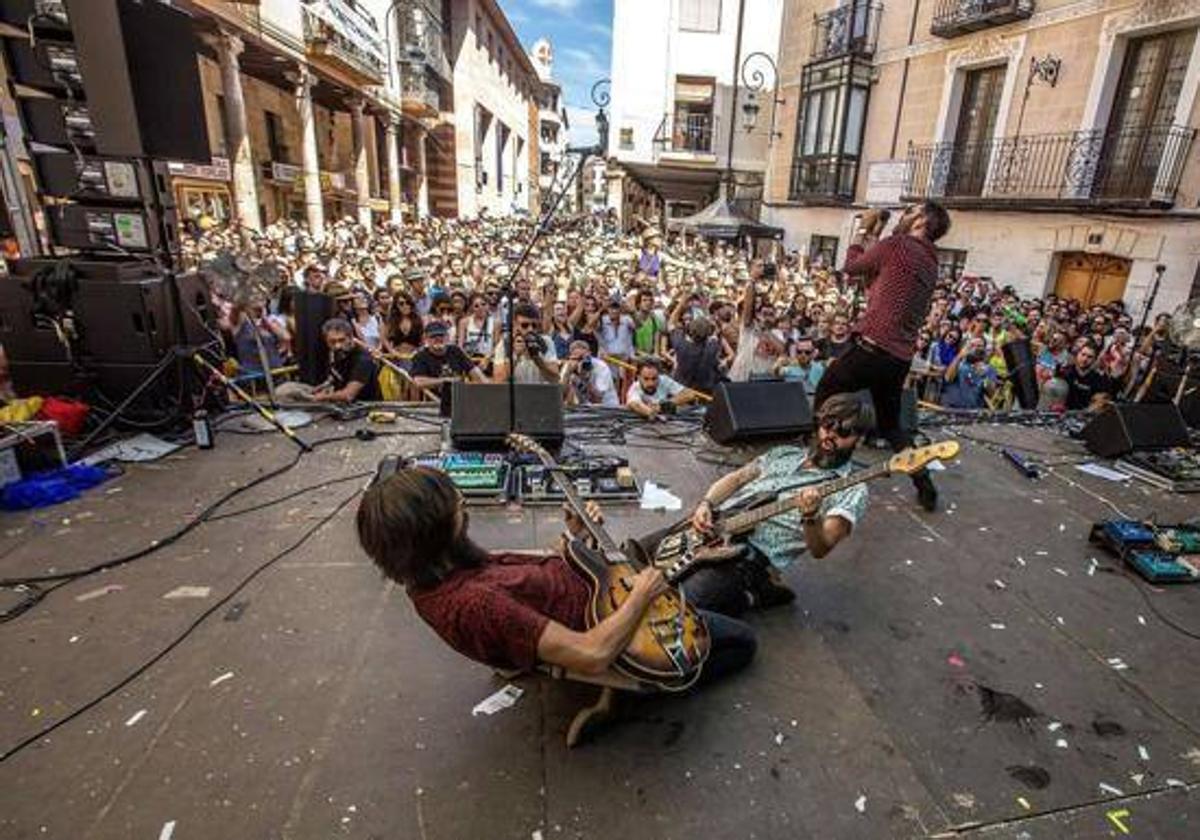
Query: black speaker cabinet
479	417
761	410
1018	357
1127	427
312	310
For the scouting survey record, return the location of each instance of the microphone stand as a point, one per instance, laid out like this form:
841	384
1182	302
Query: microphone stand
543	224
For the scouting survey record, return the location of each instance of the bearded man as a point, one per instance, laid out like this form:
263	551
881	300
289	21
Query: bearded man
816	525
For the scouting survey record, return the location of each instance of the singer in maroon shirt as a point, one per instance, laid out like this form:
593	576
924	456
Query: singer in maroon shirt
899	273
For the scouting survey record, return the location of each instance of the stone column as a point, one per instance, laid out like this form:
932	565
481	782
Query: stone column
362	186
237	139
422	174
395	200
314	208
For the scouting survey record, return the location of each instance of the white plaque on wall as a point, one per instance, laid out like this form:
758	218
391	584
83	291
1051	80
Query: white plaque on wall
885	181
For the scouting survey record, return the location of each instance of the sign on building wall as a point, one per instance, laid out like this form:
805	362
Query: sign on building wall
885	181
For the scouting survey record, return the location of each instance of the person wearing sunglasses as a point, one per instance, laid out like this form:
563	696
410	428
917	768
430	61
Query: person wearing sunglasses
816	526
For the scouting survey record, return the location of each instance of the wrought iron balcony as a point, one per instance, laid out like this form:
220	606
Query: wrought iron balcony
823	178
346	35
1138	167
958	17
422	35
852	29
419	94
691	133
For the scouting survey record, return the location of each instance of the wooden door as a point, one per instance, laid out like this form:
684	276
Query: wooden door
976	124
1091	278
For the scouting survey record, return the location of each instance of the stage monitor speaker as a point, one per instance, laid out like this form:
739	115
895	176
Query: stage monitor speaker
908	410
142	78
479	415
1127	427
1018	357
759	410
312	310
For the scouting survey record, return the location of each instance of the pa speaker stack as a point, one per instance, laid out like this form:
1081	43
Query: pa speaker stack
480	414
757	411
1128	427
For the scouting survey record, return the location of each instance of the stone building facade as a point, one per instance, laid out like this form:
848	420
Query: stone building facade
1058	132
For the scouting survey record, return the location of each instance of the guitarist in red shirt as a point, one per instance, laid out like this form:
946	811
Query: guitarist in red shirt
512	611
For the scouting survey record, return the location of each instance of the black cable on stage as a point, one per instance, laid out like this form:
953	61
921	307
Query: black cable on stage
174	643
1171	623
34	593
300	492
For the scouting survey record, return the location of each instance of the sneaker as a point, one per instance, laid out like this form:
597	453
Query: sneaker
769	594
927	494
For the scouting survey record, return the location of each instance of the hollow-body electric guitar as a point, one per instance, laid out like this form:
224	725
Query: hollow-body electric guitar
669	647
685	548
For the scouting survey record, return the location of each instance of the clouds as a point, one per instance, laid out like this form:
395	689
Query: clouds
556	5
583	125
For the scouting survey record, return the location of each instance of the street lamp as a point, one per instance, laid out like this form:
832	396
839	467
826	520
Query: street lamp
601	98
755	81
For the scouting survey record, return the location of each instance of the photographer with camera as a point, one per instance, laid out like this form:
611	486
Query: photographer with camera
655	395
970	378
587	381
536	359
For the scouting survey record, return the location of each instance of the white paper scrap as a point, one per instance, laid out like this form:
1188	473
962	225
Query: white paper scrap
937	600
1142	620
1000	584
1101	471
1054	726
1137	778
167	830
860	804
502	699
143	447
657	498
996	625
1060	571
1110	789
228	675
1061	743
189	592
138	715
1143	753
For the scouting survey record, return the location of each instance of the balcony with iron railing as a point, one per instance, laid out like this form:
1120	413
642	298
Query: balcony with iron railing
852	29
422	35
1131	168
689	134
419	93
340	32
823	179
952	18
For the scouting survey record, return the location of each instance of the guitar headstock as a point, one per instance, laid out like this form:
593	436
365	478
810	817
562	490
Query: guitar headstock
913	460
524	443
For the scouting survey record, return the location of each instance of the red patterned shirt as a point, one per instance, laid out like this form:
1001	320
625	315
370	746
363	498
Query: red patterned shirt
496	613
901	272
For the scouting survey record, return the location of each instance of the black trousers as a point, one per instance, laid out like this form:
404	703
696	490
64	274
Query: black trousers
866	368
733	646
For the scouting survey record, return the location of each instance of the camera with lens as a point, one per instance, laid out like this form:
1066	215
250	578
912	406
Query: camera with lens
535	345
668	408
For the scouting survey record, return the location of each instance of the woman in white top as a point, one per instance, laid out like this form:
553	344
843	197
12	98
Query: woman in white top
366	325
477	329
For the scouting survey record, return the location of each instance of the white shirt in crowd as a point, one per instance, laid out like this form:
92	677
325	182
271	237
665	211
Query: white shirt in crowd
756	355
666	390
602	383
617	339
526	371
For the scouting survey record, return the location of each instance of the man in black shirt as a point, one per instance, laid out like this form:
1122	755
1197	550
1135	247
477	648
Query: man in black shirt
1084	380
838	341
353	374
697	355
439	362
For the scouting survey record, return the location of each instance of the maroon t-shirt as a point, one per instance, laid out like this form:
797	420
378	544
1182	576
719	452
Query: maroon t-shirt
496	613
904	271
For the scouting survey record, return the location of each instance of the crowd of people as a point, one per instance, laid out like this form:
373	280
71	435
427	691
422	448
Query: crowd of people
629	319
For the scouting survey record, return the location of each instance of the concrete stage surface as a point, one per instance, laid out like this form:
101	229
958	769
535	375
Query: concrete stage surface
957	674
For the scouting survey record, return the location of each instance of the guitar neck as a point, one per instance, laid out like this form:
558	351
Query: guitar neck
606	543
742	522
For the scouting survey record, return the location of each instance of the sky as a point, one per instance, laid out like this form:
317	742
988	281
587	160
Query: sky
581	33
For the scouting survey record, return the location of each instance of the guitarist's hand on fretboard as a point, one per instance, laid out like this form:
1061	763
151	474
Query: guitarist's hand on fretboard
575	526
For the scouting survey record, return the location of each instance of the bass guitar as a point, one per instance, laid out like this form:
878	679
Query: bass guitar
669	647
685	548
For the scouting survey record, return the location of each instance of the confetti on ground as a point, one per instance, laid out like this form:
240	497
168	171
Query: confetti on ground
1000	584
228	675
956	661
1021	561
1041	553
996	625
983	527
1118	818
937	600
167	830
99	593
964	800
927	539
1061	527
189	592
35	712
1142	620
1061	571
1038	686
138	715
860	804
1024	803
1092	567
779	738
72	640
1117	663
1054	726
1059	619
502	699
1175	783
1143	753
1061	743
536	834
1106	788
1137	778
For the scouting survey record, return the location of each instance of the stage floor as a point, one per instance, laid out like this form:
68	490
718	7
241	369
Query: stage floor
947	674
